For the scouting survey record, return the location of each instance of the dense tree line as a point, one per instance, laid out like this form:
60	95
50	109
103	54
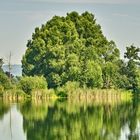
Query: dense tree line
73	48
4	80
14	85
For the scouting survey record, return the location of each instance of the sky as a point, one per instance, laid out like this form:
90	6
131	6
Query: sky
119	19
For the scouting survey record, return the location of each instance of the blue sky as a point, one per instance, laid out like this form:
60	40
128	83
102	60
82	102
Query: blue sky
119	19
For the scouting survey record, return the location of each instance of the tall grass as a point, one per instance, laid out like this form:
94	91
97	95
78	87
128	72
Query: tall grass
101	95
41	94
14	95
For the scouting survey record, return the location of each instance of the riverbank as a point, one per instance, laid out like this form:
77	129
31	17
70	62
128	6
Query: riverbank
84	95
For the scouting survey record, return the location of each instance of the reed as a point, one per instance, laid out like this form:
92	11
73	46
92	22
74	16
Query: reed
106	95
41	94
14	95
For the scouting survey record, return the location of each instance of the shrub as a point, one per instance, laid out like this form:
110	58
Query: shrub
28	84
71	86
60	92
4	80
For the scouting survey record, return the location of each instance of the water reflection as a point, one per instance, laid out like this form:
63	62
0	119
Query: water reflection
70	120
4	108
11	122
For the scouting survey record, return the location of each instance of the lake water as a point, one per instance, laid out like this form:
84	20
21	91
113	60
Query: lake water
69	120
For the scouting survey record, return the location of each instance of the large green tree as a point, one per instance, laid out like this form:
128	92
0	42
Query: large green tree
71	48
132	53
132	68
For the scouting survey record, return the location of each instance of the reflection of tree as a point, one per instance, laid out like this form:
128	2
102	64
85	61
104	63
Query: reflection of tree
133	120
76	122
34	112
4	108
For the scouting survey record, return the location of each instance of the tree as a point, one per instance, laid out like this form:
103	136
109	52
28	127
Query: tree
132	53
92	74
4	80
121	79
133	69
63	48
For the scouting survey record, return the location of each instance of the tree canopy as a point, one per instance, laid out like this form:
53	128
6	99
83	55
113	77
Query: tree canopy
73	48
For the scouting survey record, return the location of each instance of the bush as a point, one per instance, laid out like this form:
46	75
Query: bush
60	92
71	86
4	80
28	84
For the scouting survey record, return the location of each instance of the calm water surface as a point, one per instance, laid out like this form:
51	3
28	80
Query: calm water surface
68	120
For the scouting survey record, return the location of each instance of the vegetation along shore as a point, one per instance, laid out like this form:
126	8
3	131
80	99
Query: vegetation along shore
70	57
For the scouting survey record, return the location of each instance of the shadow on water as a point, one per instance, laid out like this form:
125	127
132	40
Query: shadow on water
80	120
4	108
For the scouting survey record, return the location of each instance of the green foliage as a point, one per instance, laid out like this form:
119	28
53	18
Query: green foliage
34	111
73	48
71	86
92	74
70	48
28	84
60	92
138	81
132	67
110	71
67	89
132	53
120	78
4	80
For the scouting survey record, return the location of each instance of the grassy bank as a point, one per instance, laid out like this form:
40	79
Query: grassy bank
110	96
79	94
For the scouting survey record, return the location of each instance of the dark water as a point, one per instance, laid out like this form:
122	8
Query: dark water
68	120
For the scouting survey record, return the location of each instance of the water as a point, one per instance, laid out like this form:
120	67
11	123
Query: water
69	120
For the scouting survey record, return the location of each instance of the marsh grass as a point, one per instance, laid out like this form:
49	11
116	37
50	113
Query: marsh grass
71	94
14	95
43	94
100	95
38	94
